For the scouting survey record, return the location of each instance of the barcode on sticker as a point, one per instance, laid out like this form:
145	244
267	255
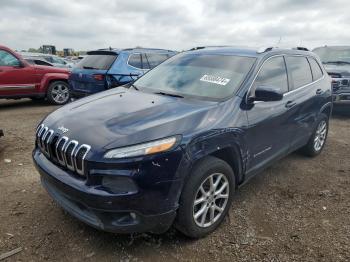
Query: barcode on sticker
215	80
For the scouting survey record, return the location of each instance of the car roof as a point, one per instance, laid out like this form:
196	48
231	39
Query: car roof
336	47
130	50
248	51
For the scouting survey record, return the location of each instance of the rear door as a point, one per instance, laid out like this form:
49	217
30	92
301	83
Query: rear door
269	129
16	78
89	75
301	98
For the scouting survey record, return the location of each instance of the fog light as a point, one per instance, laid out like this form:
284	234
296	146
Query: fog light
119	185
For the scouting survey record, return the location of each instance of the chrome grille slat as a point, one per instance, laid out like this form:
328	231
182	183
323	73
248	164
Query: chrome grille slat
62	150
70	157
81	170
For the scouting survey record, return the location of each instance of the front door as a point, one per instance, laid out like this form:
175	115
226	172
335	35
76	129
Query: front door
15	78
268	134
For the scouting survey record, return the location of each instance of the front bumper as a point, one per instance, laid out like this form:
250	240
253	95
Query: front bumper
151	210
341	89
344	96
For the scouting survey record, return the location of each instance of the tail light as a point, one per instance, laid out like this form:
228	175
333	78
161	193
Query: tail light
99	77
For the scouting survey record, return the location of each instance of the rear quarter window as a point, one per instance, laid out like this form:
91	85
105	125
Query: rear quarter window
316	69
299	71
156	59
135	61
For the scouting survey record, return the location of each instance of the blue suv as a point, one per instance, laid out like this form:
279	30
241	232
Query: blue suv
107	68
172	147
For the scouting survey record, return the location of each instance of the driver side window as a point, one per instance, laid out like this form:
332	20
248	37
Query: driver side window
7	59
273	75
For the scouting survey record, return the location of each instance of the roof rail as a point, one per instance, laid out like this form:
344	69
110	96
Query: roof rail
301	48
270	48
208	46
146	48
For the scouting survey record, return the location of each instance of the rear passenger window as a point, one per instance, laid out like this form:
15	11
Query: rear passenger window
273	74
135	61
299	70
156	59
316	69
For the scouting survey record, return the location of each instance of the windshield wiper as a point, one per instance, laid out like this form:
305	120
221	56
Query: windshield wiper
89	67
336	62
167	94
132	85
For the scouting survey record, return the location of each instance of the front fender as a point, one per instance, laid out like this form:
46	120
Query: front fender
231	140
49	77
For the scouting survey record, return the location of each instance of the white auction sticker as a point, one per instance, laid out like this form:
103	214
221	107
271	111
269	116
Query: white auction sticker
215	80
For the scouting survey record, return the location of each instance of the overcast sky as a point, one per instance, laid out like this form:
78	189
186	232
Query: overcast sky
173	24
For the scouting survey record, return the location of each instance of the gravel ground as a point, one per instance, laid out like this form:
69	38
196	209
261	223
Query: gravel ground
297	210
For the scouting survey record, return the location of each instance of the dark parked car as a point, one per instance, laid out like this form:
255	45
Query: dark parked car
336	60
107	68
176	144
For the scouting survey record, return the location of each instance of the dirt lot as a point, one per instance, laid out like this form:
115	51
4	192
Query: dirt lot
297	210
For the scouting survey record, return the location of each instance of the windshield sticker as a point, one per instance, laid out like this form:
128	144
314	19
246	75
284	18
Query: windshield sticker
215	80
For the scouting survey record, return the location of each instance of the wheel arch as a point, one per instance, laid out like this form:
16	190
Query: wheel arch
225	145
327	109
50	78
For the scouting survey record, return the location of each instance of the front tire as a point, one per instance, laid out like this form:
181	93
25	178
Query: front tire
318	139
58	93
206	197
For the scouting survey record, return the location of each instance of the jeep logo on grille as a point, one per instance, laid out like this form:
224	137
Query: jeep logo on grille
63	129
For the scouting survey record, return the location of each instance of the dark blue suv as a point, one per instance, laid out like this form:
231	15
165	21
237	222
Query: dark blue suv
107	68
173	147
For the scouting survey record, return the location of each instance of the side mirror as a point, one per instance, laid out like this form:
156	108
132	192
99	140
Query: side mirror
266	94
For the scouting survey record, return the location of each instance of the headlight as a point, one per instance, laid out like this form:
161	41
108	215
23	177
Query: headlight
142	149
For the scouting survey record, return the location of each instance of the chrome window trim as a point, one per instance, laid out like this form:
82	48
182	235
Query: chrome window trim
289	92
309	58
82	170
70	167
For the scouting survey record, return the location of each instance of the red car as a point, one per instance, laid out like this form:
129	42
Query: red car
19	79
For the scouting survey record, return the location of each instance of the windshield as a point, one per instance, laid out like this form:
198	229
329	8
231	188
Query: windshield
333	54
99	62
199	75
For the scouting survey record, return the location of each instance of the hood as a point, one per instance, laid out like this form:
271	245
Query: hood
120	117
342	69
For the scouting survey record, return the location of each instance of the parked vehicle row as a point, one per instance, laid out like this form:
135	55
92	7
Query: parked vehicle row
172	147
52	59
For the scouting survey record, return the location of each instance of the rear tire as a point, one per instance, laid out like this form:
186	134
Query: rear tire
58	93
202	206
318	139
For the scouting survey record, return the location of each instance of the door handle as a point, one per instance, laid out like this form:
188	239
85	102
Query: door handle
290	104
319	92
